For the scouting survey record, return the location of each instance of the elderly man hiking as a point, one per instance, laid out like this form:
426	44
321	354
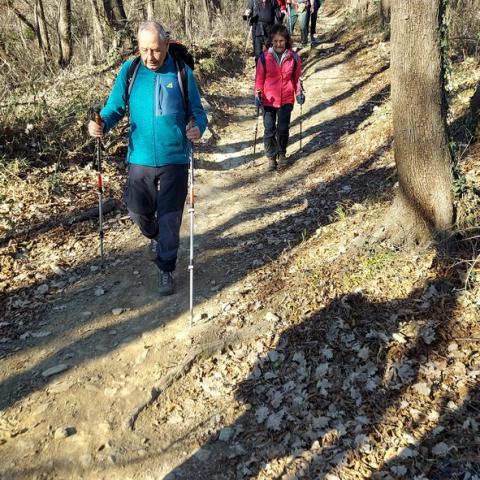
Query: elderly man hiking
166	114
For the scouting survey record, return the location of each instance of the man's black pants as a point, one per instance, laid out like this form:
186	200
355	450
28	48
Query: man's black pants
258	44
277	124
260	34
313	17
155	197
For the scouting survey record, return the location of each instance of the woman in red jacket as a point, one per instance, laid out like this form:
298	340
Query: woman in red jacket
277	83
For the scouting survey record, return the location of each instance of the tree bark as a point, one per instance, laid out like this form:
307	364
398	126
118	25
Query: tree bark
423	206
150	10
118	21
64	33
98	35
208	11
115	14
42	32
187	19
181	13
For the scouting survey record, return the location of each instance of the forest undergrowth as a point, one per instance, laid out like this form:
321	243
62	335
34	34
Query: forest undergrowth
48	198
369	364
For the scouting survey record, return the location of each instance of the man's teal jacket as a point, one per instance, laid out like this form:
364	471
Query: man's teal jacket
158	119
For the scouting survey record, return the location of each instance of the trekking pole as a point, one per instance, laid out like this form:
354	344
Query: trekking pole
191	211
301	113
98	158
259	94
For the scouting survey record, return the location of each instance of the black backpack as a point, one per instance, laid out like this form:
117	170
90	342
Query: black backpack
181	57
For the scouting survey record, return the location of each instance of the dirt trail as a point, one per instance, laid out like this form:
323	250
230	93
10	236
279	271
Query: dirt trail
114	341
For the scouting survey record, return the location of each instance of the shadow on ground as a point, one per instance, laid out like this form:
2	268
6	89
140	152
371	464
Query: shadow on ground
325	396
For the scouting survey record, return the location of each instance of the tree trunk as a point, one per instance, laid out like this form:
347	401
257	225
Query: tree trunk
118	21
150	10
115	14
64	33
181	13
187	19
208	11
424	205
42	32
98	36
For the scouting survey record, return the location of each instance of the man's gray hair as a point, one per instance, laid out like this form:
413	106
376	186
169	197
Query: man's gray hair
152	26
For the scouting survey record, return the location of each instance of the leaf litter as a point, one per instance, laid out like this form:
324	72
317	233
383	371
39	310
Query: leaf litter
364	368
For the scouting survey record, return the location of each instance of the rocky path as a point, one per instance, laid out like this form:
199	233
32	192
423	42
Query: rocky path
76	396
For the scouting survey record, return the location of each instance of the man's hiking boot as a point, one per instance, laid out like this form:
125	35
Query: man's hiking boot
271	164
314	41
152	249
282	161
166	284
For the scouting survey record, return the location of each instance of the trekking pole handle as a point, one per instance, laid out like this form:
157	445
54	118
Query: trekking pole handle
258	93
96	115
301	84
97	118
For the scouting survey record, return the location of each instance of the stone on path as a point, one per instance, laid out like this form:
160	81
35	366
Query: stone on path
99	292
64	432
61	367
271	317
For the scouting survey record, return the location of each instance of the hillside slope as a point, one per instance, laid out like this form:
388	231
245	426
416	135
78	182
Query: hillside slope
315	352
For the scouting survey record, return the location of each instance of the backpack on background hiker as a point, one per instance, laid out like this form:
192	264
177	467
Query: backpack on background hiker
181	57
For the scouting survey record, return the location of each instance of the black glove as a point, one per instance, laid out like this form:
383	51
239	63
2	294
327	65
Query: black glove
301	99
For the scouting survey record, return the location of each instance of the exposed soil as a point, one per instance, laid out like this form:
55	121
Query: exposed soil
302	361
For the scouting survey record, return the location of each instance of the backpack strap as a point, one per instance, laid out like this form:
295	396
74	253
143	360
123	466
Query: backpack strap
262	59
182	82
295	62
131	74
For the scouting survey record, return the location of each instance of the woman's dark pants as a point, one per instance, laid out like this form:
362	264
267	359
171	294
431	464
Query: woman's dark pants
277	124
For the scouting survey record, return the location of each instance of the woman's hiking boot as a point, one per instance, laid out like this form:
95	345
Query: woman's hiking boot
166	284
282	161
271	164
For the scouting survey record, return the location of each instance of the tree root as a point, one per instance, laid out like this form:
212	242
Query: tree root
403	225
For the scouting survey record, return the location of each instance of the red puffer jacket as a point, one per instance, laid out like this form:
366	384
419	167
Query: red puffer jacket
279	84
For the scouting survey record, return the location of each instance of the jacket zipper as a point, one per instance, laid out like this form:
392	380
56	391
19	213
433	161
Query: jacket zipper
158	96
157	111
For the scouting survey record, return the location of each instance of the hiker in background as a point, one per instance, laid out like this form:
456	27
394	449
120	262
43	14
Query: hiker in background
300	10
282	7
262	14
277	84
166	114
313	20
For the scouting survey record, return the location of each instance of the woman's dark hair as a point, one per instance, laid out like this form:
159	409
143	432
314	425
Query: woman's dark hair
279	30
